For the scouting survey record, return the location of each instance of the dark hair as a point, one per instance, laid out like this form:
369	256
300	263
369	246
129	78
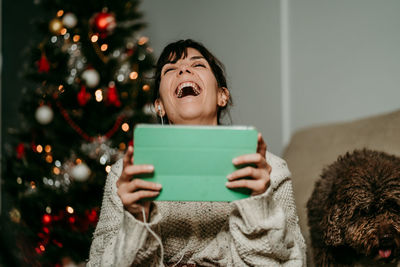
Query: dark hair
175	51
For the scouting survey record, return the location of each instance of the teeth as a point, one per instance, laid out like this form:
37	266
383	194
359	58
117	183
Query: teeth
188	84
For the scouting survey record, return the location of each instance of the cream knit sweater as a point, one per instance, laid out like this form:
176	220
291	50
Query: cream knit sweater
257	231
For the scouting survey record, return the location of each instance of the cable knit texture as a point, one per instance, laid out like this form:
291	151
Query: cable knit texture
257	231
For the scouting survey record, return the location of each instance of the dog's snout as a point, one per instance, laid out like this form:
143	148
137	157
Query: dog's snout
386	240
386	237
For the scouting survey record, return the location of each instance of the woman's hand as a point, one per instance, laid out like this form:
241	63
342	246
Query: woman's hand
258	177
131	191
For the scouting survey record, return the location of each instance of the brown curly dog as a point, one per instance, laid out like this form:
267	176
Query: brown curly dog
354	211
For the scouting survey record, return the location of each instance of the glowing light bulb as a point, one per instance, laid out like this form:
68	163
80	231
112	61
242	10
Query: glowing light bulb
94	38
69	209
56	171
39	148
133	75
146	87
125	127
108	168
143	40
49	158
99	95
104	47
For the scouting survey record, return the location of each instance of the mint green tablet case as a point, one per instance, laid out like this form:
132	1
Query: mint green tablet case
192	162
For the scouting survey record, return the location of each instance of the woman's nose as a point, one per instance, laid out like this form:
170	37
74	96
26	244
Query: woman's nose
184	69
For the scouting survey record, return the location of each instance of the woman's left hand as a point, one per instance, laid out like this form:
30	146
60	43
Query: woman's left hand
257	177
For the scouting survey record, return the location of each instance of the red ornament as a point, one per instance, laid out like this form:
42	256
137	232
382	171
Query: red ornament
92	216
43	64
83	97
20	151
58	244
112	96
46	219
72	219
104	22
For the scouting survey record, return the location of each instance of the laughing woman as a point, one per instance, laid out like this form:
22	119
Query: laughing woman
261	230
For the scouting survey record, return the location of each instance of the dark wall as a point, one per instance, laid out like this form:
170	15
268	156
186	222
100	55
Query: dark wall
17	33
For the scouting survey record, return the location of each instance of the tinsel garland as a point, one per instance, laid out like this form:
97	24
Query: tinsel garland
81	132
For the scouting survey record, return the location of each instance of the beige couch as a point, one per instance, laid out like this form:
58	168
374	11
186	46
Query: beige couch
312	149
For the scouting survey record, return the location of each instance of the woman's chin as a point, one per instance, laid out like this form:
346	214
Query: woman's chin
195	117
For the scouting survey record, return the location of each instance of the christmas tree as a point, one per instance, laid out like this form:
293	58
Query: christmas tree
90	82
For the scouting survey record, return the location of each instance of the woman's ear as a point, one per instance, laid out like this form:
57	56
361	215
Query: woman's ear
159	107
223	96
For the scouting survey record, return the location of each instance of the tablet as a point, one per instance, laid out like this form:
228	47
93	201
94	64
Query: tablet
192	162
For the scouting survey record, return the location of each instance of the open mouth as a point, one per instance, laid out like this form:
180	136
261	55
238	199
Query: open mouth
385	253
187	89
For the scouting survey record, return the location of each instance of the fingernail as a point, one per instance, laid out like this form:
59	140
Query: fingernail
159	186
150	167
229	176
235	161
227	184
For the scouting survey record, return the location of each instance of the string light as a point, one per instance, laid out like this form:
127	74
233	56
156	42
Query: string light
19	180
108	168
99	95
125	127
69	209
56	171
143	40
146	87
42	248
133	75
78	161
39	148
61	88
104	47
48	209
122	146
33	185
49	158
60	13
76	38
47	148
63	31
94	38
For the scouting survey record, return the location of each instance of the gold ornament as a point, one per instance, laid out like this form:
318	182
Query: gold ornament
15	215
55	26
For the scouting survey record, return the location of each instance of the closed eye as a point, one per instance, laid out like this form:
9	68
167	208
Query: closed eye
168	69
199	65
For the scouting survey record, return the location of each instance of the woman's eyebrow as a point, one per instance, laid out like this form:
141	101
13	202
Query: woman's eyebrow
196	57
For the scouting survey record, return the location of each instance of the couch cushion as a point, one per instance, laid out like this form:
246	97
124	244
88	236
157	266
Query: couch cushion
312	149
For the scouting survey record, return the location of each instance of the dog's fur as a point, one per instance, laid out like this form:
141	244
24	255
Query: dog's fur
354	211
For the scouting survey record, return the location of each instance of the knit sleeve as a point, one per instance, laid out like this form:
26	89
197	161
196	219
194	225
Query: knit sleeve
264	228
120	239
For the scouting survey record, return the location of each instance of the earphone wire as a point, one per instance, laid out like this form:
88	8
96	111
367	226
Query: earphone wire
155	236
161	117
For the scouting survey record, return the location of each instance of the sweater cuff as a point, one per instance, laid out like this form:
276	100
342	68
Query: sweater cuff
132	236
256	209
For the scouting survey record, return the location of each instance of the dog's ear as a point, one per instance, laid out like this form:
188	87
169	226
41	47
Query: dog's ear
333	223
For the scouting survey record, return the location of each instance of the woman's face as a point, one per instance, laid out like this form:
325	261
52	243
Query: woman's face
189	92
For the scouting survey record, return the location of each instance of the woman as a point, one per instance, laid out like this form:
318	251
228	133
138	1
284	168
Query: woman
261	230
